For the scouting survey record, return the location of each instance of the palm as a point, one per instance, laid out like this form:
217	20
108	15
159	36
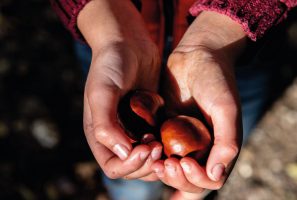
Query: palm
121	67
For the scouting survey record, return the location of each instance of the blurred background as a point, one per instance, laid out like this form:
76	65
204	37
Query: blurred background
43	152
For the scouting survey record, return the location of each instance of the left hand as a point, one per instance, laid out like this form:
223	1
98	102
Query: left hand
201	71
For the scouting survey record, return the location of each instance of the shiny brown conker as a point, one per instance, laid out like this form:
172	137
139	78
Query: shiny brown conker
138	113
141	114
185	136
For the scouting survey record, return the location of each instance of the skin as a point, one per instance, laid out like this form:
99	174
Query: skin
202	67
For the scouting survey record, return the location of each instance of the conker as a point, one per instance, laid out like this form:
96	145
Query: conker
185	136
138	113
141	113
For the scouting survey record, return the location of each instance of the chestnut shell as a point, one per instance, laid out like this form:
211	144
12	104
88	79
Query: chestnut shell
139	113
184	135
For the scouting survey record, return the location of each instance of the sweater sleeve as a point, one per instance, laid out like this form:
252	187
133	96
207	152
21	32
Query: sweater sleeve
290	3
255	16
68	11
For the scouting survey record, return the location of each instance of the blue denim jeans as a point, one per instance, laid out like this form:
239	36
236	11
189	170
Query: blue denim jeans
253	86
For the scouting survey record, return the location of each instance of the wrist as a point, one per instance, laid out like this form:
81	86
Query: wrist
105	22
215	32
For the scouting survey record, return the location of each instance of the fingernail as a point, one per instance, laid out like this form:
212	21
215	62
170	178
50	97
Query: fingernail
217	172
144	155
170	169
156	153
147	138
121	151
186	167
159	172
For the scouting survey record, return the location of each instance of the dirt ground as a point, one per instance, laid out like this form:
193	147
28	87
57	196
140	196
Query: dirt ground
43	152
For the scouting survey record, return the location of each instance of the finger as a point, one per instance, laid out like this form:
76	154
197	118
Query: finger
196	174
227	141
114	167
149	178
111	165
180	195
103	101
146	169
174	177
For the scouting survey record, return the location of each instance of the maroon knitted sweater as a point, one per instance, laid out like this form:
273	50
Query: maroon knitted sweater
255	16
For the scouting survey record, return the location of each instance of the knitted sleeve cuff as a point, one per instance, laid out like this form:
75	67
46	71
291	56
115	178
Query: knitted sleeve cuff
255	16
290	3
68	11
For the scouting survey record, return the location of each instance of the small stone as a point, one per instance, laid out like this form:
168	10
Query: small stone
276	165
86	170
291	170
245	170
45	133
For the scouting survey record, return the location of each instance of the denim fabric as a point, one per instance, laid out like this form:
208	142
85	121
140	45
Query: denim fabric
253	86
84	55
121	189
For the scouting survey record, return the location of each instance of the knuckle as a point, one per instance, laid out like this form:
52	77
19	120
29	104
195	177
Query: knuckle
175	59
101	132
226	106
231	150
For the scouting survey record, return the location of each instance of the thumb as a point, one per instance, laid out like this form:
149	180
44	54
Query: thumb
103	102
227	141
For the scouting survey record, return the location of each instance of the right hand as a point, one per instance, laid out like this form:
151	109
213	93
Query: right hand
123	58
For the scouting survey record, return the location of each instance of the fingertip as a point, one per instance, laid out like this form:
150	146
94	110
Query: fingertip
158	168
217	172
139	153
144	155
156	150
156	153
121	151
186	167
221	160
189	163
